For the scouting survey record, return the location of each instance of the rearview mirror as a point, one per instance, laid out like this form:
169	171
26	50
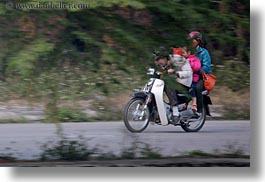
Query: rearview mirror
150	71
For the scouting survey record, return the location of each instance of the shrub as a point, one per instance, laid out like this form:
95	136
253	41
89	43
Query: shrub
71	115
66	149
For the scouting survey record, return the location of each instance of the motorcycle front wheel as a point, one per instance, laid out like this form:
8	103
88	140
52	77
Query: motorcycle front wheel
196	125
136	118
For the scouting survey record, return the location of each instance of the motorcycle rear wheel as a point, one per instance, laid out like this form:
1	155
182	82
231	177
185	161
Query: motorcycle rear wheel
136	119
197	125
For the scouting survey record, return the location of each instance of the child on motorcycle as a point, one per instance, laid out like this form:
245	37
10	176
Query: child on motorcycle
195	64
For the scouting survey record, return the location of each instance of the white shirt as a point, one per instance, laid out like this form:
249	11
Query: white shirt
184	70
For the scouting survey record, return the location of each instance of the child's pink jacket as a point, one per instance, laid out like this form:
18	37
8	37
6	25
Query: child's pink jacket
195	64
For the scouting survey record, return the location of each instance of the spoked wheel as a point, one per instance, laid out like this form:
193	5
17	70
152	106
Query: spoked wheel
136	118
196	124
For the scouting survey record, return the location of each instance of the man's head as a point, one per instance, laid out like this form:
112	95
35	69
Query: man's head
161	61
161	57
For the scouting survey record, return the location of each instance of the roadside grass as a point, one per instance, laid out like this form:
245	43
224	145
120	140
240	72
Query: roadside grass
71	150
7	158
19	120
140	150
234	105
65	149
202	154
71	115
233	114
76	150
230	150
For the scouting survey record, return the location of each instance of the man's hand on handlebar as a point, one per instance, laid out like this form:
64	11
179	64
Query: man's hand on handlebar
170	71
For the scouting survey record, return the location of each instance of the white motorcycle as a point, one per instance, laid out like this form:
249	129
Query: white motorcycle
148	105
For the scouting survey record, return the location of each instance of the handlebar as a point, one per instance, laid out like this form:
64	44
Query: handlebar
152	71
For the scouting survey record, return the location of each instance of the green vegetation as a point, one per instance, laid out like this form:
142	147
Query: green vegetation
21	120
72	150
139	150
201	154
6	158
66	149
73	54
71	115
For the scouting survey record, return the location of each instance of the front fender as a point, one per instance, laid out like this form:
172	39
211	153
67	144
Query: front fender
139	94
143	95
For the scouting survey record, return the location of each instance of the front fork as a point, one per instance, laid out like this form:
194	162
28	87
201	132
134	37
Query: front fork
147	101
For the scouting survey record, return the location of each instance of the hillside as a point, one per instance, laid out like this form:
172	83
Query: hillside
60	55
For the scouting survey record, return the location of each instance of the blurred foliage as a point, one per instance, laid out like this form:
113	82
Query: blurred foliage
58	54
71	115
235	74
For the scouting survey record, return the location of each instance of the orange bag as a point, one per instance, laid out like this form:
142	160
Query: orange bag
208	81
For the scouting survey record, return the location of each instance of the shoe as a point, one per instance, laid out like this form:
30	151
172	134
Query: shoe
176	119
205	92
197	115
194	108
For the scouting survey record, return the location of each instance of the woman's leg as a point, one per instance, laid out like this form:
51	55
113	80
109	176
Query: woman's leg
198	91
194	104
194	99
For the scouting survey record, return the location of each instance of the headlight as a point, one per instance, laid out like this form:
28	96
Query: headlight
146	88
150	81
149	85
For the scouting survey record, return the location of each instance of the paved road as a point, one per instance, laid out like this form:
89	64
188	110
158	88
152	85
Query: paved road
25	140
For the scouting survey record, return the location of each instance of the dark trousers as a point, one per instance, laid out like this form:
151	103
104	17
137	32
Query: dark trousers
172	95
198	92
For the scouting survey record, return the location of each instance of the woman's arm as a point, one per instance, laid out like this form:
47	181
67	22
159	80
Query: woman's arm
206	61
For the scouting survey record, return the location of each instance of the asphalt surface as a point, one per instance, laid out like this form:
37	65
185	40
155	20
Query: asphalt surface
24	141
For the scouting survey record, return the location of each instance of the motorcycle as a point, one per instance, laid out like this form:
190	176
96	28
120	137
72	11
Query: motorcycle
148	105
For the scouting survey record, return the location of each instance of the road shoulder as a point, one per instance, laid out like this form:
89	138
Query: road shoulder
179	162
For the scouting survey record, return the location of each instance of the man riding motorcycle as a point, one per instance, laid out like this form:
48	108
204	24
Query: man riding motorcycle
178	67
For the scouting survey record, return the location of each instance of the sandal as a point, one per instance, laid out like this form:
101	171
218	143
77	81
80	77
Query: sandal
194	108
